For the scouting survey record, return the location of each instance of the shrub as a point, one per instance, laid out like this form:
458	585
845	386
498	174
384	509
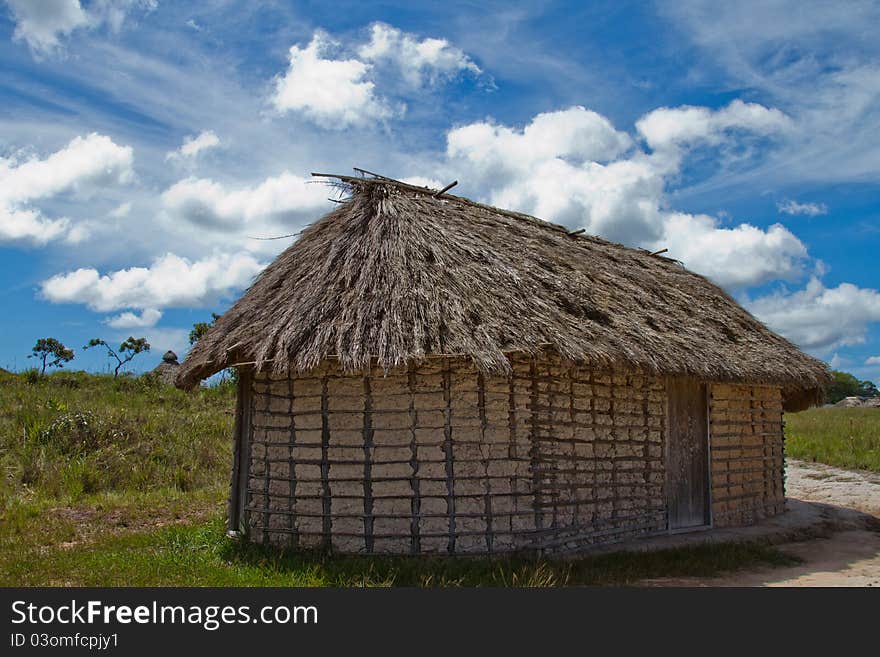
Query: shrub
82	431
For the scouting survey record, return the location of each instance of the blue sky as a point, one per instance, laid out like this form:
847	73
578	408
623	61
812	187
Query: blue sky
144	144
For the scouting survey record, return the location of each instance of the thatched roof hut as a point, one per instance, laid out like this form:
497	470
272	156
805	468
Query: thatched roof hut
167	370
400	283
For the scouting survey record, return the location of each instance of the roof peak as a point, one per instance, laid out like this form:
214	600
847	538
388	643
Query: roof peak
377	180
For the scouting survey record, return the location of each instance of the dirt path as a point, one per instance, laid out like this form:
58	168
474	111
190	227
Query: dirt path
848	557
816	482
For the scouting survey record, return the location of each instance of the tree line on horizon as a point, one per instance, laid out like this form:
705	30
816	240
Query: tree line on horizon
844	384
52	353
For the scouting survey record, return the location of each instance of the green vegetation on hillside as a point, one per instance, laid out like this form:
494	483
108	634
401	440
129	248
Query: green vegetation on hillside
845	437
70	434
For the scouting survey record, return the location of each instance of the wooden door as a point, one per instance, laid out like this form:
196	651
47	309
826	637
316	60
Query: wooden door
687	455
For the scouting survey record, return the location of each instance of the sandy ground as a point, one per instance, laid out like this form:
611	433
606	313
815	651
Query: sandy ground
815	482
849	556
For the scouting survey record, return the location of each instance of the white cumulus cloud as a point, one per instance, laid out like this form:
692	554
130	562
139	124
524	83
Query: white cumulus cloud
333	93
278	205
170	281
128	319
668	127
93	160
575	134
808	209
737	257
573	167
820	318
336	84
43	23
192	146
420	61
872	360
40	24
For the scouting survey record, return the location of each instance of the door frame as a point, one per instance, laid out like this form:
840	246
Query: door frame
238	498
667	433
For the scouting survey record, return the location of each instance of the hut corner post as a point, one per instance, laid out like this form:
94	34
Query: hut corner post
240	458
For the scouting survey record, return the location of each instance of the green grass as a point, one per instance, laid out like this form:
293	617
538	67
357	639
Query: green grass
844	437
73	434
200	554
122	482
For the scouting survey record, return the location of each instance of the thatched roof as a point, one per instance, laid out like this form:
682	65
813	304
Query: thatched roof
167	370
396	274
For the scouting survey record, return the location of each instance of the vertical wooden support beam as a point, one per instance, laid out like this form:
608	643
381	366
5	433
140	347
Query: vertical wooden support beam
487	498
615	511
646	429
266	500
368	461
291	468
754	417
781	472
534	453
327	523
593	490
241	460
513	453
555	480
575	461
447	450
415	505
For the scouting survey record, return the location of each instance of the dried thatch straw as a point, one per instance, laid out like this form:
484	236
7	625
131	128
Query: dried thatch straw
396	274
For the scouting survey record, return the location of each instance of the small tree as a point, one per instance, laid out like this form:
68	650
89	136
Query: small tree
200	328
130	348
51	353
868	389
197	333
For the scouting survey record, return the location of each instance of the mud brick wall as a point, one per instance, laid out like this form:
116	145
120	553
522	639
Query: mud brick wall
442	459
746	434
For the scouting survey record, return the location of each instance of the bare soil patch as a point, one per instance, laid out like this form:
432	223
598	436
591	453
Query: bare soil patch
89	523
848	556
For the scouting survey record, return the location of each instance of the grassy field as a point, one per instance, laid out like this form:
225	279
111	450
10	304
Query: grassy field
114	482
845	437
199	554
85	456
72	434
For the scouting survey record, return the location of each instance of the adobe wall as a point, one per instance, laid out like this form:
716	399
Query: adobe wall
747	453
440	459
